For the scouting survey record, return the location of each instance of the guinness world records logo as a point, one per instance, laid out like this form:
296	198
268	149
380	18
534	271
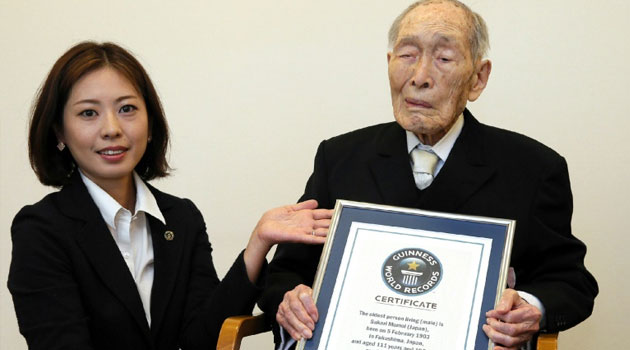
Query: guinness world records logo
412	271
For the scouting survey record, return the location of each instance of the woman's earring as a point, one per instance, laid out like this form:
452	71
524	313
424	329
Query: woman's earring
61	146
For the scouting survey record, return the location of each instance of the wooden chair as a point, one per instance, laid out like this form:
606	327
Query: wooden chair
547	341
236	327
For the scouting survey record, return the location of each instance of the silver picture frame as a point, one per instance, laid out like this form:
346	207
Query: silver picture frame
382	269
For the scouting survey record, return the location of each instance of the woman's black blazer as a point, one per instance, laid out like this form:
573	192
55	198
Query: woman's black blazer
72	289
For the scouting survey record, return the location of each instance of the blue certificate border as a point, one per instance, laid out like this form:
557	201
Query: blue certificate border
346	212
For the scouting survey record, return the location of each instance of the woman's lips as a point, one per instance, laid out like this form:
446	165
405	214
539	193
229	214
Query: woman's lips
113	153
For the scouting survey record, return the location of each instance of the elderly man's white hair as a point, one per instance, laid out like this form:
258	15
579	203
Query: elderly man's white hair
477	30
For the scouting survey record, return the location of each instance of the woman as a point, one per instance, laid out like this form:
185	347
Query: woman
109	262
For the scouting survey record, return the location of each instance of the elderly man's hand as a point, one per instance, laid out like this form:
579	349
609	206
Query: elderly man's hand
513	322
297	313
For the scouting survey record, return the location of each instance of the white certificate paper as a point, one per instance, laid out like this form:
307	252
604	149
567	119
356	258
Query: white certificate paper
407	289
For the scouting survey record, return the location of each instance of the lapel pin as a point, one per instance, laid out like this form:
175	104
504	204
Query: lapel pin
169	235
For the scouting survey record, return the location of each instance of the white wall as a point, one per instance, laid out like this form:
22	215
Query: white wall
251	87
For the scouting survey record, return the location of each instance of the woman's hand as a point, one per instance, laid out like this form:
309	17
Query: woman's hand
298	223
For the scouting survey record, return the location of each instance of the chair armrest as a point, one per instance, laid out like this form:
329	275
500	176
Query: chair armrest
547	341
236	327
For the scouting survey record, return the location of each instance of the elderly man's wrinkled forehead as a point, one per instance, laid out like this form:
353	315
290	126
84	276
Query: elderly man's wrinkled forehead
443	18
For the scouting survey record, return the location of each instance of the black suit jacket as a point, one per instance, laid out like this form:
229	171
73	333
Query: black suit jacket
489	172
72	289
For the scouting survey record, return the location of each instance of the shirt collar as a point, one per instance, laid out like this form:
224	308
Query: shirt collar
444	146
145	201
109	207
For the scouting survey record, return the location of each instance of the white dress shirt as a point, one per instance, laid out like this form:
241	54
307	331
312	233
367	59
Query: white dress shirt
131	232
442	148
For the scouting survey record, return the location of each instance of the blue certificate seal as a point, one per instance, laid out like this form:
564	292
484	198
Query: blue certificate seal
412	271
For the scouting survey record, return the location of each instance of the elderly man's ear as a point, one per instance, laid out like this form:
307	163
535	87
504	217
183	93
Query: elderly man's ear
480	79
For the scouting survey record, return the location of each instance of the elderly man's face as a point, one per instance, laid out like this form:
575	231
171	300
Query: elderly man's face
431	71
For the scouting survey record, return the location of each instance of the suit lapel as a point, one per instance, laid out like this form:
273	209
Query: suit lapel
391	169
167	256
101	250
464	172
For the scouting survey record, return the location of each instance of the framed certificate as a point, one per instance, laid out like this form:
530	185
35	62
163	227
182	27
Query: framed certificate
398	278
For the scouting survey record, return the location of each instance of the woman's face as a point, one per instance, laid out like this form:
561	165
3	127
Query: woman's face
105	126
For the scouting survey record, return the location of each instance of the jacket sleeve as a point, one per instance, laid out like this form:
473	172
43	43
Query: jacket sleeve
295	264
210	301
45	293
555	273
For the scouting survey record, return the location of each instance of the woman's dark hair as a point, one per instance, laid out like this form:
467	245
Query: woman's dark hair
54	167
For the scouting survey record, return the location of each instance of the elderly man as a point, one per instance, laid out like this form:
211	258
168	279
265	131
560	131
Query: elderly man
437	156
